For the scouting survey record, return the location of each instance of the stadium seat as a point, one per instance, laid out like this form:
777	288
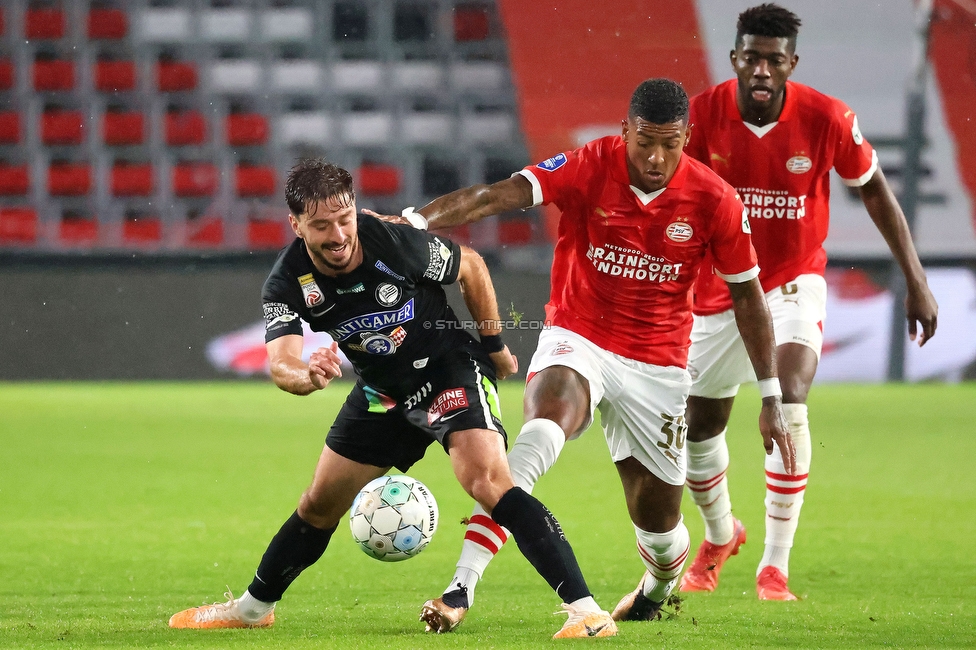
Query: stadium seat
107	24
296	77
114	76
376	179
69	179
225	25
123	128
14	180
195	179
62	127
255	180
266	233
18	226
204	231
423	76
142	230
132	179
184	128
164	25
477	75
244	129
487	127
77	230
54	75
286	24
514	231
235	76
3	22
366	128
305	127
175	76
9	127
470	24
6	74
358	77
427	128
44	24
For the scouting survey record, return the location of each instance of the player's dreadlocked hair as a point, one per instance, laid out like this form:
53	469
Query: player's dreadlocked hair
768	19
313	180
659	101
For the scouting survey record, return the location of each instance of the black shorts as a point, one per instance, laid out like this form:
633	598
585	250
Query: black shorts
458	392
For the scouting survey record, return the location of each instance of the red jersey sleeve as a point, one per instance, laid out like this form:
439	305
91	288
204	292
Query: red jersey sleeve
558	180
731	245
855	159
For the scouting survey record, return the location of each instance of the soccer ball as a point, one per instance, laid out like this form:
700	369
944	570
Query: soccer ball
393	518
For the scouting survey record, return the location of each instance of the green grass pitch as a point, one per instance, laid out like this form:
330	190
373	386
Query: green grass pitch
123	503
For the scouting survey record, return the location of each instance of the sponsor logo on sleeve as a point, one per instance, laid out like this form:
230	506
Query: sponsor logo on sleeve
440	260
856	132
277	315
310	289
554	163
799	164
451	399
746	228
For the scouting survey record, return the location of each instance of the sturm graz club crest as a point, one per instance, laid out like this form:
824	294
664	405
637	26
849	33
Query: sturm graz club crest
387	294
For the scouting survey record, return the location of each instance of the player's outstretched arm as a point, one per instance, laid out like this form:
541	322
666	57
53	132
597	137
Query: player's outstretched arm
293	375
920	306
479	297
756	329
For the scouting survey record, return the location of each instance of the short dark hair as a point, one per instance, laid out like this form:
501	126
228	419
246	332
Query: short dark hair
768	19
659	101
313	180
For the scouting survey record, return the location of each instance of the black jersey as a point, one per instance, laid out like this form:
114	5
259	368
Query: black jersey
389	315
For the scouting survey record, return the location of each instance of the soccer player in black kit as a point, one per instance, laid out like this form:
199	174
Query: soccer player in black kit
375	287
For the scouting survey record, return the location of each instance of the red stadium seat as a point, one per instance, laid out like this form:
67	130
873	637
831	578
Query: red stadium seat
107	24
245	129
205	231
375	179
142	230
514	231
9	127
470	24
44	23
3	22
54	75
18	226
253	180
266	233
132	179
120	129
184	127
69	179
14	180
78	230
62	127
6	74
173	76
113	76
195	179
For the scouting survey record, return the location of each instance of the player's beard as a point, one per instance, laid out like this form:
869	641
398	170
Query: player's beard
353	246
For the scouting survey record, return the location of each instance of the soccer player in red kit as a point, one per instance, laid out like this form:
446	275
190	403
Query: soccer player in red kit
637	221
775	141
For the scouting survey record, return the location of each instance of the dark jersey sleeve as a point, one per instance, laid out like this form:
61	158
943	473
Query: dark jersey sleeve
280	317
428	257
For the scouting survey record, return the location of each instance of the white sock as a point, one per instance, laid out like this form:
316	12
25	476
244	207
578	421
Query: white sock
586	605
664	555
709	488
535	450
784	493
253	610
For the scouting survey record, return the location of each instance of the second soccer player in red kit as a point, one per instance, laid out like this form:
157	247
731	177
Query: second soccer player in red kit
775	141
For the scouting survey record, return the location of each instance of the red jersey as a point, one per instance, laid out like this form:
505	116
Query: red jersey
625	261
782	175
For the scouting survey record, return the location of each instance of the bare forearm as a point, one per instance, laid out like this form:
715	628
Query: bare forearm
479	293
890	221
291	375
477	202
755	326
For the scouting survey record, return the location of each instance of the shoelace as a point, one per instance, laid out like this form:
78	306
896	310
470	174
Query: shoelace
575	615
217	611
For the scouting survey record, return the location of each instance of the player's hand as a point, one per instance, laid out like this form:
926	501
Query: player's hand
505	362
773	426
389	218
921	308
324	366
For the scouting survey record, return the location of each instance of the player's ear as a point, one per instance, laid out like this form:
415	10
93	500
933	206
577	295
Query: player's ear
293	221
623	129
688	134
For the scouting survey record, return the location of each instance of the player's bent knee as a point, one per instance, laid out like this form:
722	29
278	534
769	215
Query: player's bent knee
319	513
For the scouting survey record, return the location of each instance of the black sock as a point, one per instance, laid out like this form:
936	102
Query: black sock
297	546
540	539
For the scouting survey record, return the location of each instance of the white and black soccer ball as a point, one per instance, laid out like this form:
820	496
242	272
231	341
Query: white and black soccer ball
393	518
